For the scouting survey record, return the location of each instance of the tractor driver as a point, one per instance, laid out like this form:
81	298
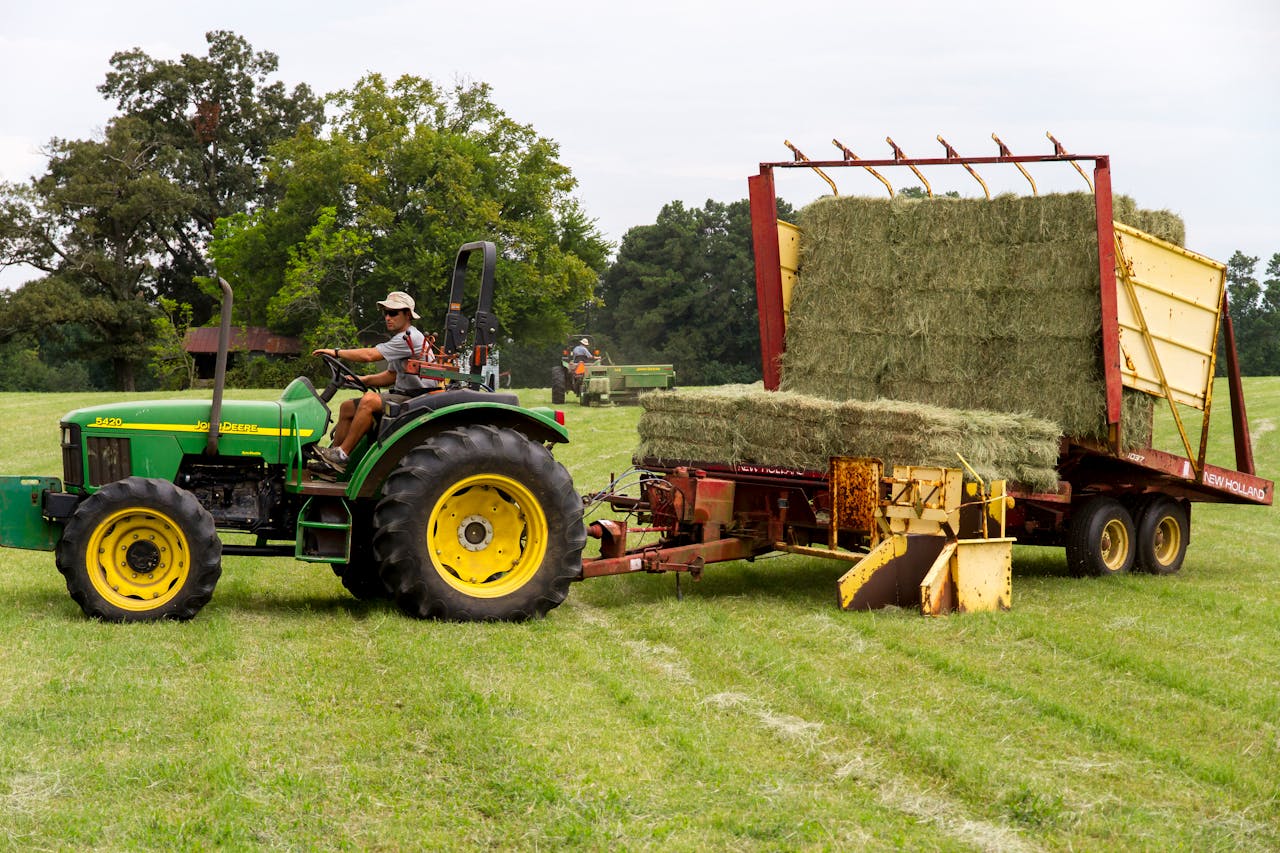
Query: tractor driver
356	417
581	351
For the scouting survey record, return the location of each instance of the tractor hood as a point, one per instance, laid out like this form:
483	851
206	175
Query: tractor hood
161	432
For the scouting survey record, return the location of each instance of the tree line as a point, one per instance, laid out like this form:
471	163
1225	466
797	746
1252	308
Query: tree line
1255	314
314	207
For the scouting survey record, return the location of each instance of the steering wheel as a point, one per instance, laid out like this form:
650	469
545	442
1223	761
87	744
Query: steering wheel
341	378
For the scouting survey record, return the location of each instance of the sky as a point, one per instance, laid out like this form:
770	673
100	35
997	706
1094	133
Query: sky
659	101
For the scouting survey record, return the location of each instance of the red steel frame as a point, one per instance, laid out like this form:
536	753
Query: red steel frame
1215	483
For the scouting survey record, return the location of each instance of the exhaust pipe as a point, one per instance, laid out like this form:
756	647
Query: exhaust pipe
220	371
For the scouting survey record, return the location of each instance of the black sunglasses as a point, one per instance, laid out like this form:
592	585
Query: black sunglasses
391	312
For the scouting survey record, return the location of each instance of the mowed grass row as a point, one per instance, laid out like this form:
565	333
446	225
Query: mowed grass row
1134	712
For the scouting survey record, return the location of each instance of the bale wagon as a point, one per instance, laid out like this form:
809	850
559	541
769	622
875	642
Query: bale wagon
939	537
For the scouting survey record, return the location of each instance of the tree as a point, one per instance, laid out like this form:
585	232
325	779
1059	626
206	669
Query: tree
683	291
43	346
123	221
91	222
168	356
213	119
919	192
1255	314
1269	334
407	174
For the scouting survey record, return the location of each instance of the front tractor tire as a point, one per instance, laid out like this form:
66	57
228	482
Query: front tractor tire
479	524
140	550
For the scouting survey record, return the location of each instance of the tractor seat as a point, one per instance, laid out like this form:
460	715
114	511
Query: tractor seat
395	415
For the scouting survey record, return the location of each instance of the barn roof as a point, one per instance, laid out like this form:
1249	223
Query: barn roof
243	339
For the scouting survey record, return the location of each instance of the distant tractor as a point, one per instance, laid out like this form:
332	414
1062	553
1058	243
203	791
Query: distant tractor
597	381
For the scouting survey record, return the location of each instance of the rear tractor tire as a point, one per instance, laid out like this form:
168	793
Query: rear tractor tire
557	385
1164	531
140	550
1101	539
479	524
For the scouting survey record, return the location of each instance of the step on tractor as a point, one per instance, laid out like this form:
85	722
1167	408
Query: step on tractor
453	505
596	381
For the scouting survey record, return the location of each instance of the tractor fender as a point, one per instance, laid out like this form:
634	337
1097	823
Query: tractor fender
383	458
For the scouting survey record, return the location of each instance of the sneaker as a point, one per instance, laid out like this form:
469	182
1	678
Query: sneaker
322	470
334	457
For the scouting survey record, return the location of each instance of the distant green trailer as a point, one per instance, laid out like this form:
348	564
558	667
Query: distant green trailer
608	384
590	374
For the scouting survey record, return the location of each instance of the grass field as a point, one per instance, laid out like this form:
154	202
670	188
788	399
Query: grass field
1136	712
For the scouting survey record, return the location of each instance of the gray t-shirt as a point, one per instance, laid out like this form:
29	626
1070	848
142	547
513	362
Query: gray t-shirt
397	351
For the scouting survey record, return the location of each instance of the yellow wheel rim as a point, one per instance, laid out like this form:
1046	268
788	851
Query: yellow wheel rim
138	559
1114	546
487	535
1168	540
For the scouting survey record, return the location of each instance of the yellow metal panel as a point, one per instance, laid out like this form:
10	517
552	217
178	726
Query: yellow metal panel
789	260
882	555
1179	295
938	589
923	499
983	573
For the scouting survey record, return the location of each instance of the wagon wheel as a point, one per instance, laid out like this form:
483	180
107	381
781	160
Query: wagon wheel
479	523
139	550
1164	530
1101	538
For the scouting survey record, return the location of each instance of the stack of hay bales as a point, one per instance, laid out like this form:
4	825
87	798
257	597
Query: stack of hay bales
737	424
923	328
960	303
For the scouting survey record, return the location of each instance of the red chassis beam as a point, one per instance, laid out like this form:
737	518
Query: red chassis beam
681	558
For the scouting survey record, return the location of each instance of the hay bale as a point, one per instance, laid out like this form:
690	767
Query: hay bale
738	424
959	303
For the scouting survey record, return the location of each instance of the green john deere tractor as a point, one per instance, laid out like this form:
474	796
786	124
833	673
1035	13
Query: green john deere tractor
455	508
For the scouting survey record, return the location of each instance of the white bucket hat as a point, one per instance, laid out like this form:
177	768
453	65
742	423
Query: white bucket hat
398	299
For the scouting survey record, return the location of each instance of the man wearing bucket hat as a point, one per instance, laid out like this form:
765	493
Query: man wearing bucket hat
582	352
357	417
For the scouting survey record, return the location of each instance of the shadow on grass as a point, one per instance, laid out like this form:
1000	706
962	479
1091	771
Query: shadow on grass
54	602
1040	562
804	581
51	601
785	578
284	601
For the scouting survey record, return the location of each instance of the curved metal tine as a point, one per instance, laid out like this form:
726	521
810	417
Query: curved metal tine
800	158
1061	152
898	155
1004	152
849	155
952	155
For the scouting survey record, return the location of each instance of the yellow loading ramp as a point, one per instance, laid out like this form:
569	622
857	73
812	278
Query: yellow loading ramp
1168	306
917	556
